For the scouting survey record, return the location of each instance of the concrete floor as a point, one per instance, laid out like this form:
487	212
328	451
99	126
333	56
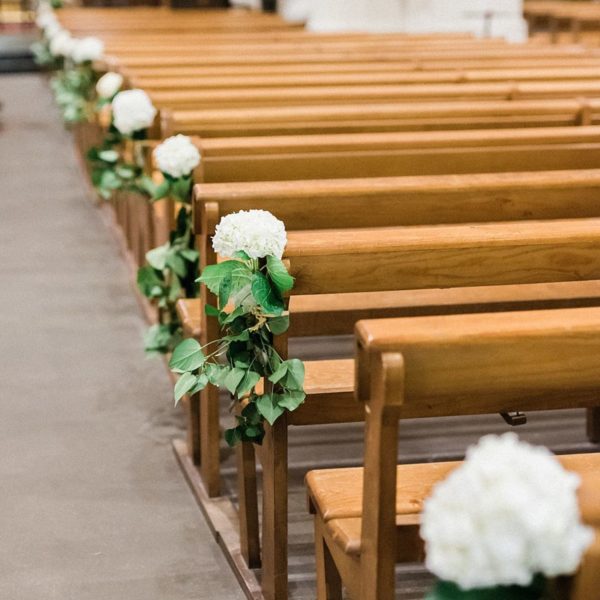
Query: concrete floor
92	504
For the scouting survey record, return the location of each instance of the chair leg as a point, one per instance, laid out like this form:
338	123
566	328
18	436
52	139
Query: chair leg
210	468
193	427
248	505
593	425
275	508
329	582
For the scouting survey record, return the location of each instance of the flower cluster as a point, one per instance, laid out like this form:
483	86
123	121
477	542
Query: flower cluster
177	156
87	49
507	514
108	85
256	232
133	111
250	311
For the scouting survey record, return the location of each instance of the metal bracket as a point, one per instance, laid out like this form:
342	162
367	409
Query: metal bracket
514	419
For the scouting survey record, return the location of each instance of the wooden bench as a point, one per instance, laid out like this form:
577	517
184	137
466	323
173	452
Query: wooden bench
468	364
366	118
402	202
380	260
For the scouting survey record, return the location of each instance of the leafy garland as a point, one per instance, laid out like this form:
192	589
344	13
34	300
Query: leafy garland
73	88
172	268
251	311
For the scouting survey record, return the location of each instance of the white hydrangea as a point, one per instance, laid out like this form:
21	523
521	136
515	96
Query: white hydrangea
132	111
508	513
52	29
45	19
177	156
256	232
109	84
87	49
62	43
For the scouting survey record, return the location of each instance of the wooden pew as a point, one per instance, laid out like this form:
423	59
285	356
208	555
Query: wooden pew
457	76
364	118
382	260
345	94
396	154
467	364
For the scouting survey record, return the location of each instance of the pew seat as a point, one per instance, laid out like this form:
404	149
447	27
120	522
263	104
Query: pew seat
336	496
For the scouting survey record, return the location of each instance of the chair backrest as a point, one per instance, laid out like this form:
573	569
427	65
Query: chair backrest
460	365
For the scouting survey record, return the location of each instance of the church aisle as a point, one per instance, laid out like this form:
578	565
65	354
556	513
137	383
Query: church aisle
93	504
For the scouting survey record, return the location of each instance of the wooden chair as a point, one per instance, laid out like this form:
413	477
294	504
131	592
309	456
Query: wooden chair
458	365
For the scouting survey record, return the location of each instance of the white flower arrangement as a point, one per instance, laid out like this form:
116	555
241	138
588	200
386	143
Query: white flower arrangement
109	84
507	514
256	232
62	44
132	111
87	49
177	156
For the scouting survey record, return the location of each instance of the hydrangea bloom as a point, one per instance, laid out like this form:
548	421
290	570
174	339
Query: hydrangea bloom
508	513
109	84
87	49
256	232
177	156
62	43
132	111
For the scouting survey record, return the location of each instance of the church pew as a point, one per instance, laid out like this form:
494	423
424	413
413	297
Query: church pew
468	364
385	259
362	118
457	76
352	94
391	154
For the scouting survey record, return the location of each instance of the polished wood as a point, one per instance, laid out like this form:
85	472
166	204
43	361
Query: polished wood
545	359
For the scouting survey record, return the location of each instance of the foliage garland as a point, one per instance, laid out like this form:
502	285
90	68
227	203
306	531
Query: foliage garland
250	311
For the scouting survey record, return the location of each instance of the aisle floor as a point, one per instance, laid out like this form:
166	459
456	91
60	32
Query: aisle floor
93	504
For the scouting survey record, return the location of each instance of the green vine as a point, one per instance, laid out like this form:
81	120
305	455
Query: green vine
74	92
250	311
169	275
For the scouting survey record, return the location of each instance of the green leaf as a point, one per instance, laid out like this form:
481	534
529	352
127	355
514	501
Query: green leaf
217	373
279	275
125	172
184	384
213	275
295	375
149	283
157	338
233	379
109	180
189	254
161	190
181	188
265	295
291	400
176	263
279	325
109	156
241	254
233	436
249	380
201	383
211	311
157	257
188	356
279	373
269	408
225	291
244	336
147	185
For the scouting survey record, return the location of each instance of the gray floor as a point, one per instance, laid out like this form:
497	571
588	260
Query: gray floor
92	504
